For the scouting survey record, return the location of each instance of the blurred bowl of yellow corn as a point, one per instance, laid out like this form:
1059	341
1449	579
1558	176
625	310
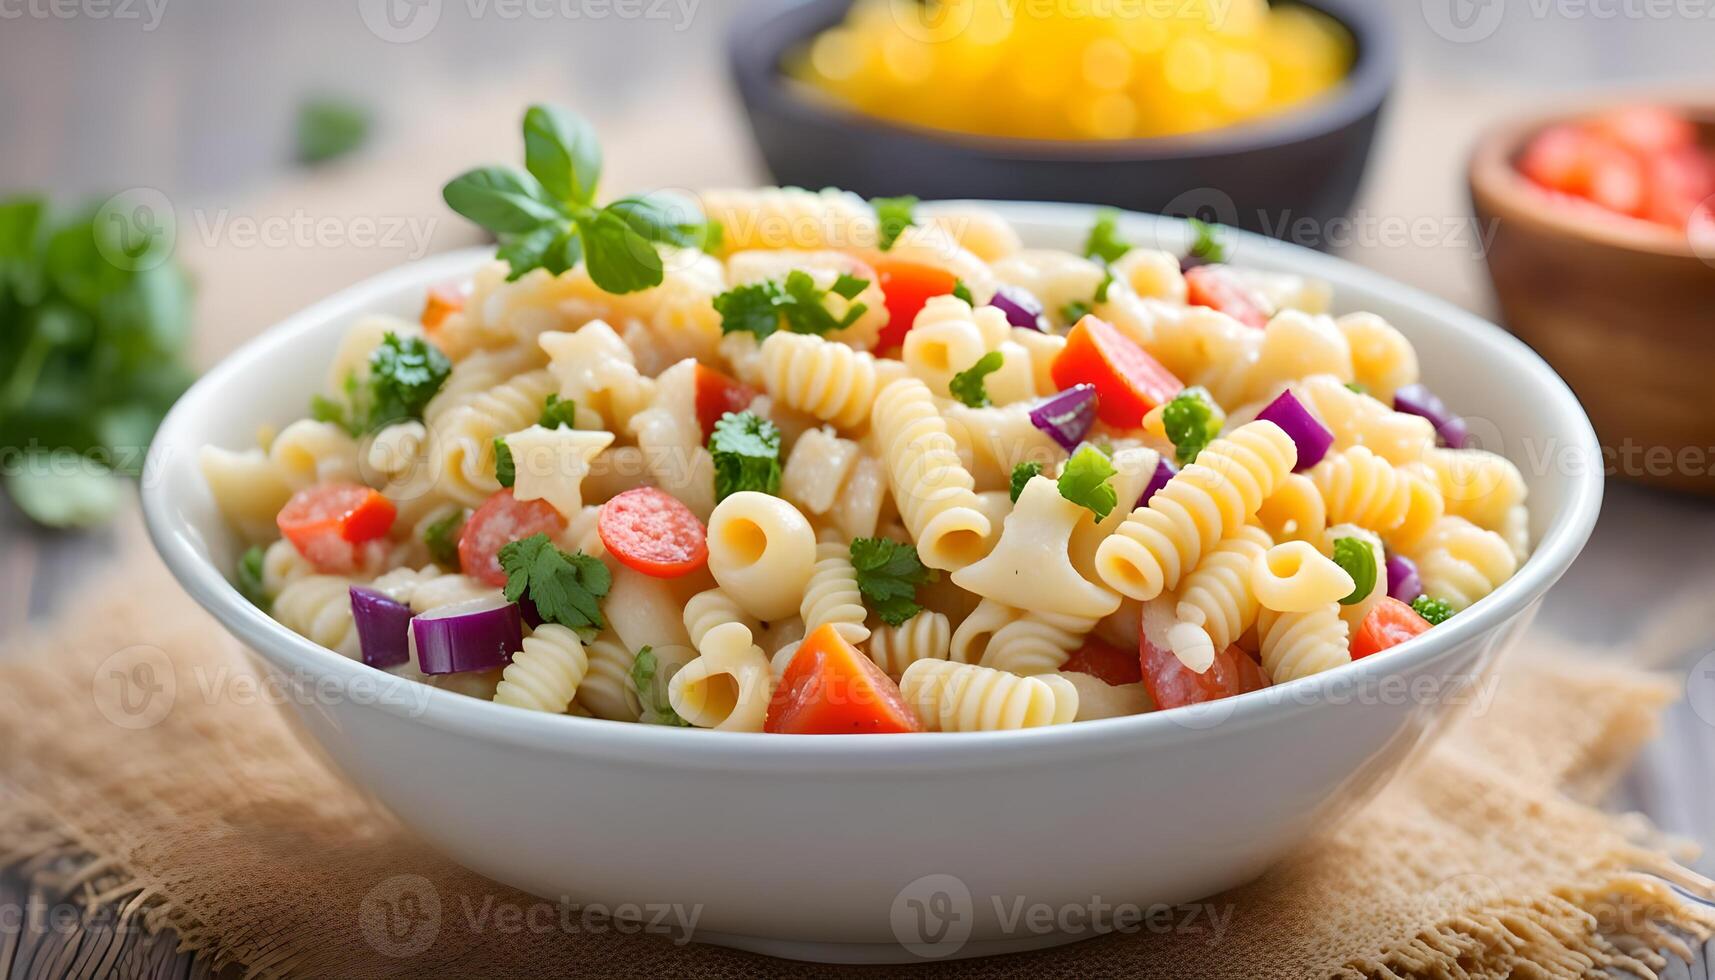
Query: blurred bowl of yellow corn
1243	112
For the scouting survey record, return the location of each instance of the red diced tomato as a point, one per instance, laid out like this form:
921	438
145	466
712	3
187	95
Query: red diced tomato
329	523
717	395
651	531
443	301
1388	623
1107	663
1128	381
907	287
1676	183
501	520
1645	129
1215	287
830	688
1171	684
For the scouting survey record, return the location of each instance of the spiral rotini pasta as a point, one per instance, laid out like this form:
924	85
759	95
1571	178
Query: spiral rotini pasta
1294	511
1300	644
1217	598
318	608
462	443
1460	562
606	690
925	636
712	608
829	381
930	485
544	676
832	595
1359	487
1208	500
1036	642
790	217
954	697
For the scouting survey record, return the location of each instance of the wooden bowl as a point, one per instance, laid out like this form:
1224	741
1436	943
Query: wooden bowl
1305	162
1623	309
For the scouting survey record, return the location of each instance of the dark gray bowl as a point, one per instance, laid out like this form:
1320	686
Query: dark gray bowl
1262	176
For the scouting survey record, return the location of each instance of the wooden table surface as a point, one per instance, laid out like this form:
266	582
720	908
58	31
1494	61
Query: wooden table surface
208	123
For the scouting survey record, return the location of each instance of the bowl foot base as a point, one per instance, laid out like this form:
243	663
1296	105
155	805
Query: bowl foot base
882	953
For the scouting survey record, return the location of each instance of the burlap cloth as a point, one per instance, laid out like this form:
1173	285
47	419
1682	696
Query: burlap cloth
1485	859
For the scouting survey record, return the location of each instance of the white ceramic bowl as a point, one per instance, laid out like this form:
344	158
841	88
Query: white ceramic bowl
818	847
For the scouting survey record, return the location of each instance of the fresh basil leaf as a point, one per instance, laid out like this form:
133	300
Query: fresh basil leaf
501	200
561	151
619	259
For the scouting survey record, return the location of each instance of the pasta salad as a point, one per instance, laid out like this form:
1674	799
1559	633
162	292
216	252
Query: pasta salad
804	463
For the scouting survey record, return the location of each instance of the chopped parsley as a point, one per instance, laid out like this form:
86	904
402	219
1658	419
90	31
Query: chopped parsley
404	374
565	588
968	386
249	578
963	292
894	215
746	448
656	708
505	470
1436	611
1077	309
1104	240
1356	389
888	574
759	307
442	538
546	216
1192	421
1021	474
557	413
1359	560
1086	480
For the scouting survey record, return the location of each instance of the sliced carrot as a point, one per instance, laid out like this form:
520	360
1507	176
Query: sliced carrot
830	688
443	301
651	531
717	395
1129	382
1388	623
329	523
907	287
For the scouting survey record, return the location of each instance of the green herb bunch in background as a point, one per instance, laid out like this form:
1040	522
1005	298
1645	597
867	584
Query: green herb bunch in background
94	317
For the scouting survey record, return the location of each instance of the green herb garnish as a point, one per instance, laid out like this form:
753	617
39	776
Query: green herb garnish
963	292
505	470
328	128
888	574
893	215
1077	309
565	588
968	386
1436	611
1021	474
404	374
1207	246
546	216
1085	480
746	448
1103	241
442	538
249	578
1192	421
1359	560
557	413
1356	389
758	308
656	708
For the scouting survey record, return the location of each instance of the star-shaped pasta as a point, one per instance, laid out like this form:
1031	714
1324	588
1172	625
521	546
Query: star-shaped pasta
551	464
1030	566
596	369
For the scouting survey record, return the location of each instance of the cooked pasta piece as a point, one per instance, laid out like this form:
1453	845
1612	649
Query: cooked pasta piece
1359	420
1294	511
606	690
977	230
1382	359
1055	278
1217	600
1031	564
1460	562
1480	486
309	452
1036	643
828	380
1359	487
1151	274
994	439
1097	699
544	676
976	631
462	442
396	450
930	485
953	697
646	611
672	440
832	595
1208	500
925	636
1296	577
714	607
762	552
282	564
596	371
1300	644
248	489
728	686
318	608
550	464
790	217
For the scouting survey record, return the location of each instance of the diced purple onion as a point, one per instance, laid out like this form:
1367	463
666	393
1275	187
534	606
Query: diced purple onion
1312	438
1419	400
479	634
1164	471
1402	581
383	627
1067	416
1021	308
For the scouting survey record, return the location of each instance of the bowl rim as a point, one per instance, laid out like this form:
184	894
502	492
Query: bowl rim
176	445
755	67
1497	185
